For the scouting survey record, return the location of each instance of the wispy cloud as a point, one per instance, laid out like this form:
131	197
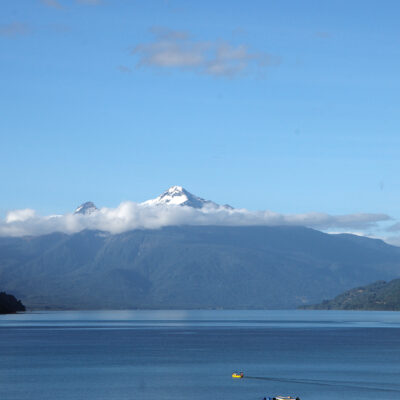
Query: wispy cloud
394	228
90	2
124	69
322	35
59	6
129	215
14	29
53	4
178	50
393	240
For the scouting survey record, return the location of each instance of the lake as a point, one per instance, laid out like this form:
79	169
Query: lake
119	355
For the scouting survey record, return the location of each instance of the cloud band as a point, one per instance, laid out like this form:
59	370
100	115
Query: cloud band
129	215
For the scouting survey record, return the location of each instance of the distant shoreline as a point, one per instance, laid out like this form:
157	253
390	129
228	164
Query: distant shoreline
9	304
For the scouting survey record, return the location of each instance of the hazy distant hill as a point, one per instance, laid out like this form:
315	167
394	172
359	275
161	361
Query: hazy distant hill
380	295
9	304
191	267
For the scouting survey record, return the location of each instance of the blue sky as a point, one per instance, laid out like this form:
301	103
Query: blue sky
290	106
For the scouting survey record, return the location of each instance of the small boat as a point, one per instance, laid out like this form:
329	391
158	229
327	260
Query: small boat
238	375
283	398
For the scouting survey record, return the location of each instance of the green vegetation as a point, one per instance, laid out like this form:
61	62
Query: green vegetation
380	295
9	304
191	267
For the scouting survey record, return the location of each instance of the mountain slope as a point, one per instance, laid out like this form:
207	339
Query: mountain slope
379	295
191	267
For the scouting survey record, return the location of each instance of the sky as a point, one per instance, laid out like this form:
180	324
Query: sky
287	106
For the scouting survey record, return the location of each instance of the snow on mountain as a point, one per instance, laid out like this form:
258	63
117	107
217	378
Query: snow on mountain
174	196
178	196
86	208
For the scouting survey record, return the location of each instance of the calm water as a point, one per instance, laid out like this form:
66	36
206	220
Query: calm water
192	354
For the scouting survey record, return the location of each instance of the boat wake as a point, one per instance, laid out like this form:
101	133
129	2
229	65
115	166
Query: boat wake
344	384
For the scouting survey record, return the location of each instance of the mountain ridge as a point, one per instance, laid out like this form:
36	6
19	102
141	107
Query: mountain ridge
191	267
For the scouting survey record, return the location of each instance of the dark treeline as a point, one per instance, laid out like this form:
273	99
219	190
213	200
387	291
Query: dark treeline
379	296
9	304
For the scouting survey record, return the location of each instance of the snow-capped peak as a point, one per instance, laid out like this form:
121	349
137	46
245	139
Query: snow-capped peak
178	196
86	208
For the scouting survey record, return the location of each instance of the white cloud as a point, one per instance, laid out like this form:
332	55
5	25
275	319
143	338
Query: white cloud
129	215
356	233
20	215
177	50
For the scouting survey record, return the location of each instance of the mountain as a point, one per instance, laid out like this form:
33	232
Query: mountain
9	304
86	208
380	295
178	196
191	267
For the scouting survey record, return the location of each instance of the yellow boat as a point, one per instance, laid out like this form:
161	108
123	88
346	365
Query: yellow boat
238	375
